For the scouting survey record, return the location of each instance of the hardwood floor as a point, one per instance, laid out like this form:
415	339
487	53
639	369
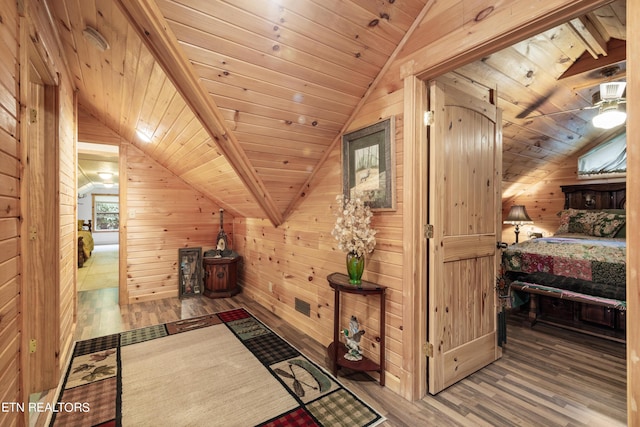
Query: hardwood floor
546	377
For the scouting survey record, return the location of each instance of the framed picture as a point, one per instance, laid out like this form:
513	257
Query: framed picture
368	164
189	272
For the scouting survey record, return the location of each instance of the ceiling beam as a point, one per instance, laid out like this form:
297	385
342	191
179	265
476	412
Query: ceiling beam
307	184
617	52
593	41
147	20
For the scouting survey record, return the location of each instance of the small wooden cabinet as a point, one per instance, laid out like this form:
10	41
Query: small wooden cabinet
340	284
221	277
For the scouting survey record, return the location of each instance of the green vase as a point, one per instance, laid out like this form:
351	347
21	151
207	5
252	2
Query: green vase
355	268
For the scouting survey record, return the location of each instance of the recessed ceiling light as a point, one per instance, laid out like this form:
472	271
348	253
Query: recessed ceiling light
105	175
143	136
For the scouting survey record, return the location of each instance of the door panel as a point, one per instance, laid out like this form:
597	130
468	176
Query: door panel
464	209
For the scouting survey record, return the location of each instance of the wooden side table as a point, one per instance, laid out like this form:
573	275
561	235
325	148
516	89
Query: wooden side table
220	276
336	350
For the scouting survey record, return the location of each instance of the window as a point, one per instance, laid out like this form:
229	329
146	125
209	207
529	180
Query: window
606	160
106	210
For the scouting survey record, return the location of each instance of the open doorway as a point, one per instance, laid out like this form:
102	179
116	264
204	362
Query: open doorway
547	117
98	216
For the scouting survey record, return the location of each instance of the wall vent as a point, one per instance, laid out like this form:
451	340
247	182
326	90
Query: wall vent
303	307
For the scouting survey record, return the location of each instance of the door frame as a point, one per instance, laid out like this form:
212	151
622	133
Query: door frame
415	165
40	225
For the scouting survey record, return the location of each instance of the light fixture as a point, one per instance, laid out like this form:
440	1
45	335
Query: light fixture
105	175
107	184
95	38
609	116
518	216
143	136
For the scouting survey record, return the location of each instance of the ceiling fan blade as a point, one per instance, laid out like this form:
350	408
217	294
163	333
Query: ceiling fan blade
562	112
533	107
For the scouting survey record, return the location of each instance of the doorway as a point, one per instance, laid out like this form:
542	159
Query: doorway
98	216
518	136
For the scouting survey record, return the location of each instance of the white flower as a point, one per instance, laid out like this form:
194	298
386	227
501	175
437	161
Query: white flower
352	229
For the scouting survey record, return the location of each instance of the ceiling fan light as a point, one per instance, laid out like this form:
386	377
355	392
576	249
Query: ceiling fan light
610	117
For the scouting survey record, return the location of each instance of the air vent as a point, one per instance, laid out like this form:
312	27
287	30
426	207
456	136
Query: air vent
303	307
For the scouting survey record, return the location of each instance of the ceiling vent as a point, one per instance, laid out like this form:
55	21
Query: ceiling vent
95	38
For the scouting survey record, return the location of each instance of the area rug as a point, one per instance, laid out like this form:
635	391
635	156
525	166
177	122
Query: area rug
225	369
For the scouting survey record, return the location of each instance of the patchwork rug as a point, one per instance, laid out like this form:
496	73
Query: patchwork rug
225	369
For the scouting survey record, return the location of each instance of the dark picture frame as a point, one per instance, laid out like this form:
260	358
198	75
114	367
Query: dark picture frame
368	164
190	272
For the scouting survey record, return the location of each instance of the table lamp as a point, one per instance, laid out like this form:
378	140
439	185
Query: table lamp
518	216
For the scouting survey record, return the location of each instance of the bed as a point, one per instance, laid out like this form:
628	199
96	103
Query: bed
576	278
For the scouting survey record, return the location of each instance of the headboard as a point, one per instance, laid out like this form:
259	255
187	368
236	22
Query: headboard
595	196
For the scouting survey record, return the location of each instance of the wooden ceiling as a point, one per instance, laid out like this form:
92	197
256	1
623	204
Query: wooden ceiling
275	83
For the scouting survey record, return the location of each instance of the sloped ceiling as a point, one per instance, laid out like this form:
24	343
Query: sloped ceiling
243	98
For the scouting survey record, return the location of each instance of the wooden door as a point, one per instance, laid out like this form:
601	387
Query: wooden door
464	211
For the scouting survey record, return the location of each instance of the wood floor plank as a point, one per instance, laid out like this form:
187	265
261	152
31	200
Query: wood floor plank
547	376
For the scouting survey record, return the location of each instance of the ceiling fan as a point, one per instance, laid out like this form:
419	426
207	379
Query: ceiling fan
607	100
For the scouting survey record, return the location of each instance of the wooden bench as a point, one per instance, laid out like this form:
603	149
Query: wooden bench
604	317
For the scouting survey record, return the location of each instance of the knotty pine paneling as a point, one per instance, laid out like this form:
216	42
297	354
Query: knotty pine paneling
163	215
91	130
51	318
293	260
10	283
67	197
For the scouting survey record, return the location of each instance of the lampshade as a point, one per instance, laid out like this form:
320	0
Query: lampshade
518	216
609	116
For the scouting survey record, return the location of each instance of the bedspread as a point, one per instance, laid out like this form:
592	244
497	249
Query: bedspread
595	266
87	239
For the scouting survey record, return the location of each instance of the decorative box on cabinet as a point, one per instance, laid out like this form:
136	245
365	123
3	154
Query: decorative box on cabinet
221	277
340	284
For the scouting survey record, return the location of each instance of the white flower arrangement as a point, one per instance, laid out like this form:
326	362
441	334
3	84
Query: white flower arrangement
353	226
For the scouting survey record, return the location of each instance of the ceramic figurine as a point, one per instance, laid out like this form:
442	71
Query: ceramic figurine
352	337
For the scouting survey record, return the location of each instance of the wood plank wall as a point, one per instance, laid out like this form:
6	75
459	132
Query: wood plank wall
61	105
292	261
276	272
10	320
163	215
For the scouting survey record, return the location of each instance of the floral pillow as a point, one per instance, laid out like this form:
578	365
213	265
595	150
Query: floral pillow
590	223
565	217
608	225
583	221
